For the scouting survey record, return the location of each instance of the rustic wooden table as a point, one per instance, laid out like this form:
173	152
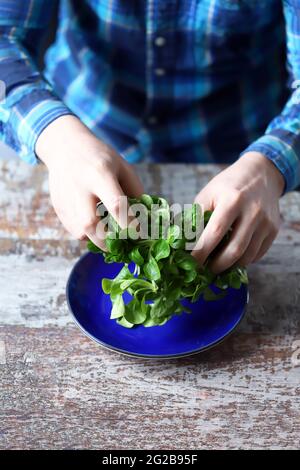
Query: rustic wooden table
60	390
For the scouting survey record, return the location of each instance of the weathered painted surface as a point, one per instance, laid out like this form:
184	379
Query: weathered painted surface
60	390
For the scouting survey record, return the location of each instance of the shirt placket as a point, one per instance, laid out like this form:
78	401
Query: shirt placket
156	44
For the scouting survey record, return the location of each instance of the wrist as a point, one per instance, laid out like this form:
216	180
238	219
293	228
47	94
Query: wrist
65	138
54	139
267	170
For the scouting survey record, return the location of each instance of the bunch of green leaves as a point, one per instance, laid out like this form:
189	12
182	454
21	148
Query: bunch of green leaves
164	272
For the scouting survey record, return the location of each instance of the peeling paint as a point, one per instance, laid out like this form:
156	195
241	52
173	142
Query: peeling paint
2	353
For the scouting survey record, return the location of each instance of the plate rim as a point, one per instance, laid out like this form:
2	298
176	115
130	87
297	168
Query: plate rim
148	356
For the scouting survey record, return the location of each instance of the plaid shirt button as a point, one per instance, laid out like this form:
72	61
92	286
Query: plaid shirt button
152	120
160	72
160	41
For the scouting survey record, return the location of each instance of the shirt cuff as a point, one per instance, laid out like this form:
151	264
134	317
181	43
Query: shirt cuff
28	118
282	155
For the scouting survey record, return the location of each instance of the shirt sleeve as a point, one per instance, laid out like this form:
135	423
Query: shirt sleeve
281	141
27	102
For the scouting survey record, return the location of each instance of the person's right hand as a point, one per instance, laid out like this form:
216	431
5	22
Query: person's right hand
82	171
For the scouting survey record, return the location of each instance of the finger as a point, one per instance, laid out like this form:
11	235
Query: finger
114	198
253	248
204	200
220	222
132	186
96	233
265	247
130	182
89	221
239	241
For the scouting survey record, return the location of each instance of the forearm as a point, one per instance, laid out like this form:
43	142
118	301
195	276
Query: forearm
281	142
30	103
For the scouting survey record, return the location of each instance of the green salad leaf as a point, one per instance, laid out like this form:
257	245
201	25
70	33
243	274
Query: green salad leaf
165	273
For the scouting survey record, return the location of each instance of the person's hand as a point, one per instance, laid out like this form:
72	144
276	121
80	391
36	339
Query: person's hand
245	197
82	171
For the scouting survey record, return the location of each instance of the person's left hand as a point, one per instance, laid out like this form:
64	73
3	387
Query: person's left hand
245	197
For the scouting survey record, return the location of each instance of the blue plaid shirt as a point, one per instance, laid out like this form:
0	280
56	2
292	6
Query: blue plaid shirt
169	81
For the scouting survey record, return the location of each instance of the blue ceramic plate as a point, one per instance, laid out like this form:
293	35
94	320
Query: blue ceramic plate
207	325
